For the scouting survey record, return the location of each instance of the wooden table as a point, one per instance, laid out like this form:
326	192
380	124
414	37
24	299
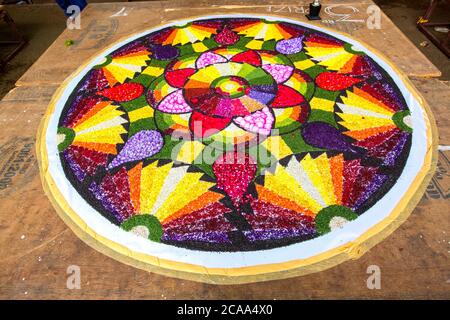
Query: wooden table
37	248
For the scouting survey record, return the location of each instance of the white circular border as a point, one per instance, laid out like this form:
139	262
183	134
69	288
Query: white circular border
303	250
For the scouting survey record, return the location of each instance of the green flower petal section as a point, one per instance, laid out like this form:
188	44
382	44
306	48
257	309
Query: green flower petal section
145	225
402	120
107	61
65	137
333	217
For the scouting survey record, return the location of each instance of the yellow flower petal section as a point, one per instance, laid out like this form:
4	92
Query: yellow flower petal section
141	113
322	104
109	135
359	122
188	188
283	183
355	100
152	180
103	124
189	151
318	170
277	146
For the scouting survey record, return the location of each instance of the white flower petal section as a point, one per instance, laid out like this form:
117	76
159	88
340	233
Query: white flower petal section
296	170
360	111
337	223
408	121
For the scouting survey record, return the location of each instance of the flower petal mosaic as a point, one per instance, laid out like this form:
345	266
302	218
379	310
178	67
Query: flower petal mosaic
229	136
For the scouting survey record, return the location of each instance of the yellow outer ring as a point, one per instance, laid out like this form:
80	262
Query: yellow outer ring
265	272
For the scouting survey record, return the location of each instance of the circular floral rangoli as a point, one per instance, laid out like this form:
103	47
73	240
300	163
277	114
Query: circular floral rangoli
208	142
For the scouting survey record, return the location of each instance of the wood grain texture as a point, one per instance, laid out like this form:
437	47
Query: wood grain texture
37	247
437	94
102	25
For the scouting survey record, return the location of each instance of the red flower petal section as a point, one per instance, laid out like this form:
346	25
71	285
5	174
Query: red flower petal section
334	81
376	140
234	172
226	37
178	78
362	67
324	40
287	97
123	92
384	94
204	126
250	57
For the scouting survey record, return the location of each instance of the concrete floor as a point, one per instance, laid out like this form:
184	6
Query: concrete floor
42	22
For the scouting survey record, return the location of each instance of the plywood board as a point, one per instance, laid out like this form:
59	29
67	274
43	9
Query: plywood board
104	23
437	94
40	248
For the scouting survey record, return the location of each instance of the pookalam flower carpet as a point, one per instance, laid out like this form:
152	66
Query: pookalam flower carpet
234	146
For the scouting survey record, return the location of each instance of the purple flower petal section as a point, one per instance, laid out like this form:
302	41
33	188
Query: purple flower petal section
174	103
134	46
290	46
78	172
261	235
142	145
269	88
164	52
395	152
374	72
101	196
374	185
325	136
216	237
95	81
263	97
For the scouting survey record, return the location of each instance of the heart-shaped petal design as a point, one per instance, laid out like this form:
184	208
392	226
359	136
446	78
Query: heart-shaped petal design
142	145
290	46
226	37
123	92
334	81
234	173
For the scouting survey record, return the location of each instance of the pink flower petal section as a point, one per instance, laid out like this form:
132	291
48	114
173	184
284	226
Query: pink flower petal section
260	121
279	72
174	103
209	58
224	108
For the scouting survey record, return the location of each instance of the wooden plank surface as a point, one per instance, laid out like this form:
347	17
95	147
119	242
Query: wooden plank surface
104	23
37	247
413	260
437	94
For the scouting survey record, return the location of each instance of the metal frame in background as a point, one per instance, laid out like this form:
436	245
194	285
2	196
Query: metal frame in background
18	39
423	24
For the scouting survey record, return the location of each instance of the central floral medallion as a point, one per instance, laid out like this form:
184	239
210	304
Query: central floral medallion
234	90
